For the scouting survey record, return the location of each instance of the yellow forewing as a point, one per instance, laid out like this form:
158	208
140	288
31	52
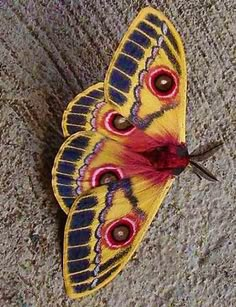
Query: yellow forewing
151	42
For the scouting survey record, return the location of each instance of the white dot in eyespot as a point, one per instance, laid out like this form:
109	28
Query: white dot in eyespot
120	233
107	180
163	82
122	120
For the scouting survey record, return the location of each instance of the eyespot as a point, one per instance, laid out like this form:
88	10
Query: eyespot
105	175
120	233
118	124
162	82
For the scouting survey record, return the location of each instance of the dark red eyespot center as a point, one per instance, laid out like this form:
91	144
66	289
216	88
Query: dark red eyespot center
117	124
121	123
107	177
106	174
120	233
162	82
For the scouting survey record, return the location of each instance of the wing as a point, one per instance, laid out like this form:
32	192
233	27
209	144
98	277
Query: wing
89	159
146	79
103	230
88	111
81	112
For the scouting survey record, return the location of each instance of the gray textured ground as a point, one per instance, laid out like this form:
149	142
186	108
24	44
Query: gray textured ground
50	51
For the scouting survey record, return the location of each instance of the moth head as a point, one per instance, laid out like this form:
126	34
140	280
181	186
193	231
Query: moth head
182	155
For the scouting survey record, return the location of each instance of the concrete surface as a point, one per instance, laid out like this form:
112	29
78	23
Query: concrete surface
50	51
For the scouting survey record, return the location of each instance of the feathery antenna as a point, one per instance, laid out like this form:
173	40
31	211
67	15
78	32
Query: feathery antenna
200	155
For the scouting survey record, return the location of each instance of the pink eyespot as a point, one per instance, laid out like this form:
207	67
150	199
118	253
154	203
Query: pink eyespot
120	233
162	82
105	175
117	124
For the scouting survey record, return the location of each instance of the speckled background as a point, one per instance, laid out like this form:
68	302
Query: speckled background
50	51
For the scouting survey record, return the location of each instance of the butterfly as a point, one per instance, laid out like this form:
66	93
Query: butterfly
125	144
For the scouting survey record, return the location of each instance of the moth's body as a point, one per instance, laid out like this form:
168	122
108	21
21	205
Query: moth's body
170	158
125	144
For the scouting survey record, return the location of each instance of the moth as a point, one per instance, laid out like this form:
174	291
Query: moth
125	144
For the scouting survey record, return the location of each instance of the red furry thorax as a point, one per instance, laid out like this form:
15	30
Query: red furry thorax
170	157
156	164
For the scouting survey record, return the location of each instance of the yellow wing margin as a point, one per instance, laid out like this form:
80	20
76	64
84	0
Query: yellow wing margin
89	263
151	41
